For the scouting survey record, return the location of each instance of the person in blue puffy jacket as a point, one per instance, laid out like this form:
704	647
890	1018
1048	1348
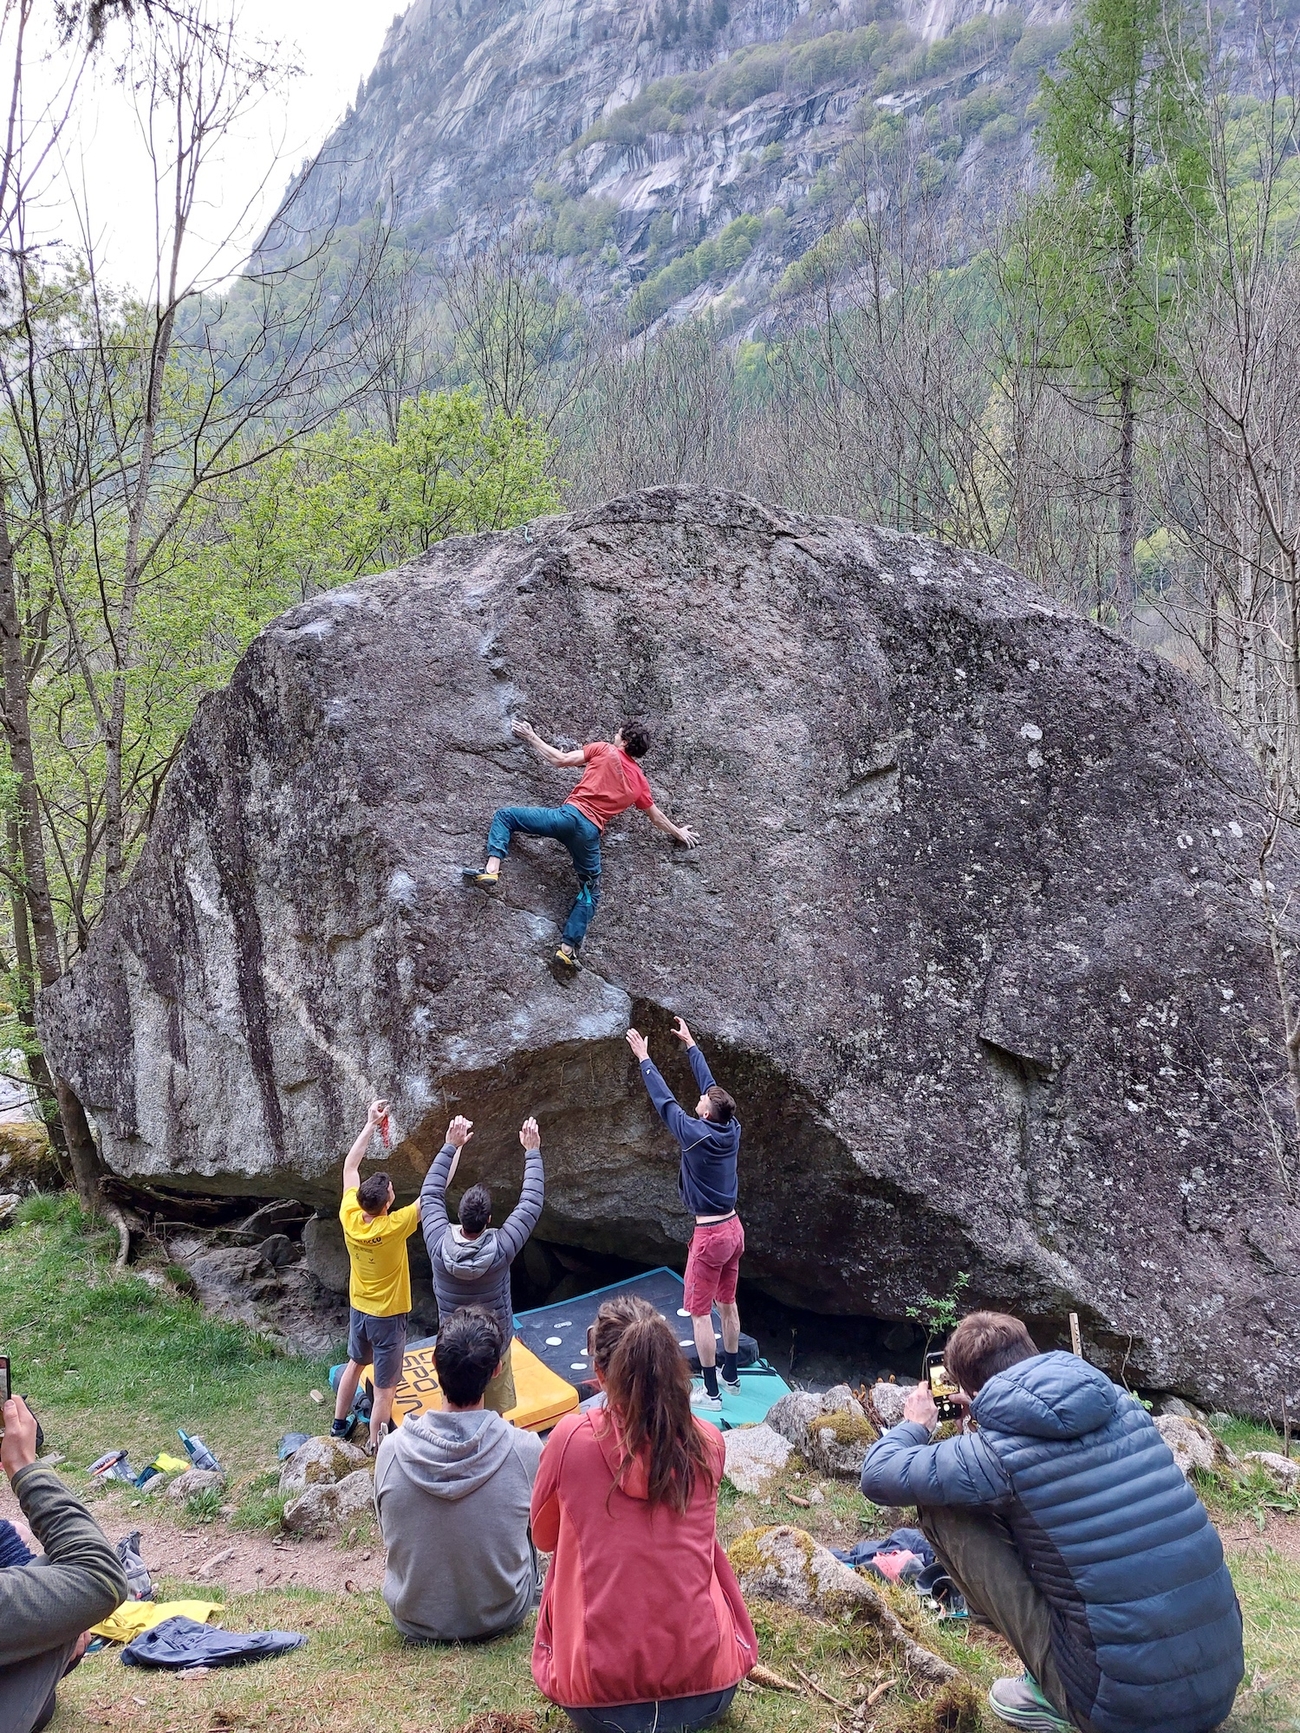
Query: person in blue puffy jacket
1064	1519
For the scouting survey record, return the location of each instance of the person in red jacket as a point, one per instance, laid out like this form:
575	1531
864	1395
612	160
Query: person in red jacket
611	781
642	1624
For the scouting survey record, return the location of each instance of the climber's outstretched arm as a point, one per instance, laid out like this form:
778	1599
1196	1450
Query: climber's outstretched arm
681	833
553	754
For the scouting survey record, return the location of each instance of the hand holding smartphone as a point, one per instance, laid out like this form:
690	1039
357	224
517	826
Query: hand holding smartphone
942	1387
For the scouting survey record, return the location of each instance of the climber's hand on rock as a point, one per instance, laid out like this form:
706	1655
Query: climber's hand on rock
682	1033
521	730
687	836
375	1116
920	1406
529	1135
460	1131
638	1043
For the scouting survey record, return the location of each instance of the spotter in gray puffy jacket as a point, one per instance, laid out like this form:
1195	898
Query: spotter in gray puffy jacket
1147	1627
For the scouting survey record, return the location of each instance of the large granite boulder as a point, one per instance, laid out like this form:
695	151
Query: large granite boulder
972	936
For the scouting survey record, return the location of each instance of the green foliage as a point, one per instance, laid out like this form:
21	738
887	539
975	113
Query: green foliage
938	1315
576	228
1039	46
109	1359
204	1506
719	256
1123	132
344	503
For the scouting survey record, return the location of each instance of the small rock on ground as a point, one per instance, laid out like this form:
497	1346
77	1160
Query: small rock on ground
195	1480
1283	1471
326	1505
755	1456
1194	1445
319	1462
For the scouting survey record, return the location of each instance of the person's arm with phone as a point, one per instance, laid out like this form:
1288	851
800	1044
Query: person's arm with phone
48	1604
357	1154
904	1467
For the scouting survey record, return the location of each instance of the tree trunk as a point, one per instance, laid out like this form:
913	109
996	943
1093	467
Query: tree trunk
1126	563
45	935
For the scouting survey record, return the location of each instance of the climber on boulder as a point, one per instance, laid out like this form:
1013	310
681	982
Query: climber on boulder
611	782
710	1145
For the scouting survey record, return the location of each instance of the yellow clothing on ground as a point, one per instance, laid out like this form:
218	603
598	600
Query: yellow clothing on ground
381	1277
132	1617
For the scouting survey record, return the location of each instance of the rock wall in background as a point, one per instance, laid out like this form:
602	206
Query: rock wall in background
972	936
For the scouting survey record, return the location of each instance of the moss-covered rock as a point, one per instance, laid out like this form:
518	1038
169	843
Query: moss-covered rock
788	1566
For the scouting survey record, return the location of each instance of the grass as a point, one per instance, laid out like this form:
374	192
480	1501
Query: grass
110	1361
115	1360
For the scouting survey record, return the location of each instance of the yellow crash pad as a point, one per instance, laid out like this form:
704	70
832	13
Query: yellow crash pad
543	1397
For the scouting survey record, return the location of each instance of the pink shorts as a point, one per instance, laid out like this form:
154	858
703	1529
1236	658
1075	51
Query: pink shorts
713	1264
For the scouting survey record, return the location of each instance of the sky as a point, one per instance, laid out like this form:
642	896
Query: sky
105	171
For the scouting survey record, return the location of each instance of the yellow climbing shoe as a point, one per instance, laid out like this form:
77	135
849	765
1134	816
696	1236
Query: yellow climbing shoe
568	956
476	876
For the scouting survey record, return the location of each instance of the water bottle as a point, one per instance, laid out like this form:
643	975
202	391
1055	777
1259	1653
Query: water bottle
198	1452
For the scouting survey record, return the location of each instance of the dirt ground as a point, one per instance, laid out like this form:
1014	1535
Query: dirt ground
217	1554
220	1555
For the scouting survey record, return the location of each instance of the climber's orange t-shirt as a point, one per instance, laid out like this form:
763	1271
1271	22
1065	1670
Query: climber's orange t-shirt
610	784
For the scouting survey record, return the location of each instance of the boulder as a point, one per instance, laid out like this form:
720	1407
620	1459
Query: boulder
1182	1410
787	1565
191	1481
1056	1059
830	1431
1194	1445
1283	1471
321	1462
886	1404
324	1505
9	1202
756	1455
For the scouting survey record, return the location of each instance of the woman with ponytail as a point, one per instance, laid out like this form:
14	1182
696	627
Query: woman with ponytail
642	1627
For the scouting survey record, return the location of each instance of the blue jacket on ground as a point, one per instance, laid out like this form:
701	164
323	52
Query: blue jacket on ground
1147	1631
707	1180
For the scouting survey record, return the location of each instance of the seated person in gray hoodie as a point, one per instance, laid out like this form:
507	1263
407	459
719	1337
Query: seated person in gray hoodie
453	1487
471	1262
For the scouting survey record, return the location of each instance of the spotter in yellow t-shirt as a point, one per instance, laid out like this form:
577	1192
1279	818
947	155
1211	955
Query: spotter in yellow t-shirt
381	1276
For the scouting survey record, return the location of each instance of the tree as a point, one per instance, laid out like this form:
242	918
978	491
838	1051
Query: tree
1100	253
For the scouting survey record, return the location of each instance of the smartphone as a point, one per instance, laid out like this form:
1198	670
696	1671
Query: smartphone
942	1387
4	1387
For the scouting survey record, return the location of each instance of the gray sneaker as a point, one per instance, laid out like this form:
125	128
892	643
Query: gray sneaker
700	1398
1022	1704
731	1389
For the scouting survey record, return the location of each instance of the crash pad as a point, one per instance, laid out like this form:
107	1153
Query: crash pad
557	1336
543	1397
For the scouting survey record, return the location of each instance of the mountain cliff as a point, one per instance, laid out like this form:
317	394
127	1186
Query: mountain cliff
677	153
